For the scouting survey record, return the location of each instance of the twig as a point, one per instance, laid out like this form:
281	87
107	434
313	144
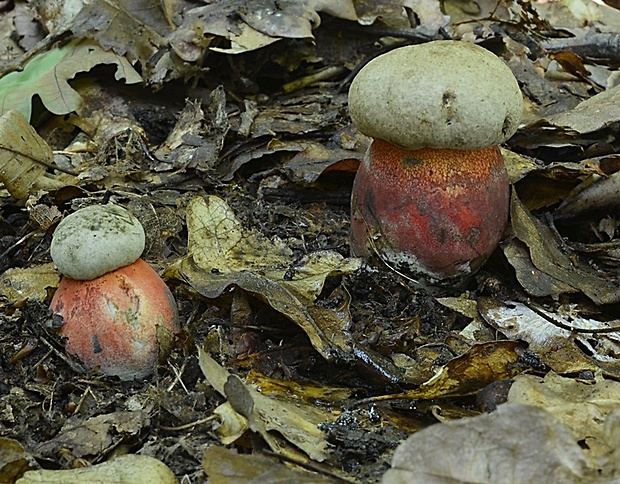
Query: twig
189	425
592	45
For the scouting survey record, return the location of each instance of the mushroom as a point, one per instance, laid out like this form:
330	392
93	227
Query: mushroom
117	314
431	196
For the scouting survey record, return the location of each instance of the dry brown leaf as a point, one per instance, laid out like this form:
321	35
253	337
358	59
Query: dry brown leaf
468	373
296	421
24	157
14	460
598	112
551	338
554	262
583	406
95	435
221	253
28	283
224	466
114	25
515	444
126	469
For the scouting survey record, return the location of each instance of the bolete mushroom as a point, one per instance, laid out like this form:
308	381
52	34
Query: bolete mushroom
117	314
431	196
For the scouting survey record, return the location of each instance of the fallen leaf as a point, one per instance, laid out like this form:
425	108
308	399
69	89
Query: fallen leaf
47	76
514	444
593	114
252	28
221	253
582	406
563	344
93	436
126	469
269	416
554	262
468	373
595	194
224	466
232	424
24	158
29	283
136	30
14	460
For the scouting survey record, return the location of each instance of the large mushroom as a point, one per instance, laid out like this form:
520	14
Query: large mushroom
431	196
118	315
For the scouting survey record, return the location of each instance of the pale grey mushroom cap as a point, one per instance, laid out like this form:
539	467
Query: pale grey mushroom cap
442	94
95	240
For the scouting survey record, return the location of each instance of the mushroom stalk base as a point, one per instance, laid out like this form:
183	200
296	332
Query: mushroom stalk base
435	215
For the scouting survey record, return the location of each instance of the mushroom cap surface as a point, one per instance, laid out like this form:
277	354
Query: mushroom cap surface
95	240
442	94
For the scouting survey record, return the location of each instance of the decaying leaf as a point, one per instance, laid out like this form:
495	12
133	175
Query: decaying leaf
292	419
473	370
554	339
468	373
47	76
224	466
249	28
221	253
14	460
594	195
28	284
431	15
126	469
593	114
113	24
94	436
24	157
232	424
554	262
583	406
198	138
514	444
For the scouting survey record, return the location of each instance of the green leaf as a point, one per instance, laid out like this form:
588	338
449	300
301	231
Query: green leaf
47	76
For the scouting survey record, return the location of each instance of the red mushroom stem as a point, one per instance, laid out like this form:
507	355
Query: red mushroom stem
118	321
440	212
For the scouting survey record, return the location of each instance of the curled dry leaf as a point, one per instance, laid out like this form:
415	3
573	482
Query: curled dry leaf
562	343
562	273
593	195
468	373
24	157
221	253
252	28
295	421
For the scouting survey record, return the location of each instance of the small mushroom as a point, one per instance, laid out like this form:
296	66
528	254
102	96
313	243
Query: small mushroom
117	314
431	196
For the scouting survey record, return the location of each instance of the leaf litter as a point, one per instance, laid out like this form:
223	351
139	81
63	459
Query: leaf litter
298	362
